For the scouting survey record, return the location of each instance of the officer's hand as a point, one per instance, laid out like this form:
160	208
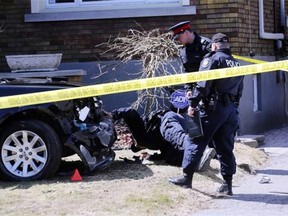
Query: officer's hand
190	111
189	94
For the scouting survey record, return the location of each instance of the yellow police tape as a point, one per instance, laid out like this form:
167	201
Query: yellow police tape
134	85
255	61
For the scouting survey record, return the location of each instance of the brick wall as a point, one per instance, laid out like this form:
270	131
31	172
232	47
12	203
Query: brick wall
239	20
77	39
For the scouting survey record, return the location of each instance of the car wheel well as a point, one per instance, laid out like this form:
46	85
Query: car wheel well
36	114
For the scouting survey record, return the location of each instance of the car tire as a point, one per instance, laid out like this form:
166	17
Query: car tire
30	150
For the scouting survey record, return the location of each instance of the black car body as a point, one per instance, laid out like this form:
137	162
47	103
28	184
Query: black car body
34	138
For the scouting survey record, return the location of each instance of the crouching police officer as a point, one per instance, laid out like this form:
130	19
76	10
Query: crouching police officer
162	130
221	98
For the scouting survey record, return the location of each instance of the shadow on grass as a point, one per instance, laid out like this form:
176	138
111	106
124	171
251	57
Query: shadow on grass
117	170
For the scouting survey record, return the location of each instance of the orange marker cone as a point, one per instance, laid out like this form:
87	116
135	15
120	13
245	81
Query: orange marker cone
76	176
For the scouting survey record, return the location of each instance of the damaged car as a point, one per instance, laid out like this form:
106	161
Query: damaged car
35	138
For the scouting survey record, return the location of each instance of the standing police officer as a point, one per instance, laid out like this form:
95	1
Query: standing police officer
194	48
221	99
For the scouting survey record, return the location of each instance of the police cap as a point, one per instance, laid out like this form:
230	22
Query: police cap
219	37
180	27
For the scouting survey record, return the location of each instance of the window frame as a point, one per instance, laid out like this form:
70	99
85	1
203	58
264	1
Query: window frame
43	6
78	3
40	11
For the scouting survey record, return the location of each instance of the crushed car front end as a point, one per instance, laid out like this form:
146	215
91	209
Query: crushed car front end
34	138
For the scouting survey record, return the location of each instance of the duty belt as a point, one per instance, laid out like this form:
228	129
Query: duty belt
225	97
213	98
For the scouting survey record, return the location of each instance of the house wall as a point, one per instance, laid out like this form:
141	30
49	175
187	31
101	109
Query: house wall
272	111
76	39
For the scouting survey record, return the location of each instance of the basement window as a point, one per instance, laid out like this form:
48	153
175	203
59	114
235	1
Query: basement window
257	100
57	10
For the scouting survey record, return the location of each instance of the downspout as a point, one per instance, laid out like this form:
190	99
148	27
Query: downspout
277	43
275	36
268	35
283	23
286	93
282	12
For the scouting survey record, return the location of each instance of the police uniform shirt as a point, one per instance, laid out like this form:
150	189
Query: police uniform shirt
232	85
192	54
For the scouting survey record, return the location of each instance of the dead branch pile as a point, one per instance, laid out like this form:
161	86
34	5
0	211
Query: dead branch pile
156	51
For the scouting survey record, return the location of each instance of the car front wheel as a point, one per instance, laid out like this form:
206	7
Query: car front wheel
30	150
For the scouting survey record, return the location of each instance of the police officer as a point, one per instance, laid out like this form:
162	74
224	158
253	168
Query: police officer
194	48
162	130
221	98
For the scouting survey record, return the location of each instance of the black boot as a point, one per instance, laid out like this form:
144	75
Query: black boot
226	188
184	181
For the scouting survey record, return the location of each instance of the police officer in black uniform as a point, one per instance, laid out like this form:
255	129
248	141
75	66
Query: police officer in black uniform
162	130
195	47
221	99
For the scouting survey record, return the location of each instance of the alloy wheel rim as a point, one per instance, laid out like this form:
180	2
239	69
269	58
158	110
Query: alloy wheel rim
24	153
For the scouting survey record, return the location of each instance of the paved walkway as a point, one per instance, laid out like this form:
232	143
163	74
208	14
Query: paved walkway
251	198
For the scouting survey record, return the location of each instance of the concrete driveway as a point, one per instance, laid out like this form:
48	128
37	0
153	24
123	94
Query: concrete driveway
264	194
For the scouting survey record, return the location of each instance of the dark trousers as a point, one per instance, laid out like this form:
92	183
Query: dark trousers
174	130
219	125
136	126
